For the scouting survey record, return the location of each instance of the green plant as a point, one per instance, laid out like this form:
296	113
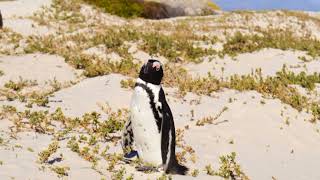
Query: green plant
61	171
173	47
18	86
306	81
73	145
195	172
272	38
209	170
315	109
114	123
128	83
119	174
85	153
229	169
123	8
38	120
45	154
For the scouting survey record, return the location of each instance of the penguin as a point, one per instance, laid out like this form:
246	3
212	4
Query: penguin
149	132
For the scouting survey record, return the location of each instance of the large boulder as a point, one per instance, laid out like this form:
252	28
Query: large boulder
158	10
188	7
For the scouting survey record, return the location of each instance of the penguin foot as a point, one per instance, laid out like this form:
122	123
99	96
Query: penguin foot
130	156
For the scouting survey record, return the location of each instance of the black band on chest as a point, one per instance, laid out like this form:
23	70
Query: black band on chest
152	104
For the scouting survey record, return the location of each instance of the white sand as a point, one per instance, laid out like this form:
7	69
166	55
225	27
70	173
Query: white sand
15	16
21	8
269	60
261	137
271	139
40	67
26	27
88	94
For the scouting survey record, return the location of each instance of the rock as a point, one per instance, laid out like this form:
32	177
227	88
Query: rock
155	10
159	9
186	7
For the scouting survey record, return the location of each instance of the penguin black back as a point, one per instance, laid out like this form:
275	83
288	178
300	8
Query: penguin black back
168	140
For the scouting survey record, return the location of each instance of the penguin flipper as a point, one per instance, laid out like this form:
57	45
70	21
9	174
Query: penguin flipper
127	139
168	141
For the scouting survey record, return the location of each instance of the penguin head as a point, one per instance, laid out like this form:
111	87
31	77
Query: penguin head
152	72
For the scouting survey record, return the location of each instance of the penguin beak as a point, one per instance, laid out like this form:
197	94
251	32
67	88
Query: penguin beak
156	65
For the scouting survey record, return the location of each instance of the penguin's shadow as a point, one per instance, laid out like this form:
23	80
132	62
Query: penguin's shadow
220	122
147	169
128	158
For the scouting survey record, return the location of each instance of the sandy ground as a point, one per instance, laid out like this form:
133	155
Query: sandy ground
270	61
15	16
39	67
271	139
261	140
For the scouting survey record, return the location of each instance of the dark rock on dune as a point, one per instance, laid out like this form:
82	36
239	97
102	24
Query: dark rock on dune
155	10
175	11
1	21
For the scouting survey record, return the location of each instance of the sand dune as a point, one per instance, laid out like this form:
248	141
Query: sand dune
272	139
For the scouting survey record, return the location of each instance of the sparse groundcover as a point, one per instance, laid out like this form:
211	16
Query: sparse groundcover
173	47
273	38
9	41
43	122
276	87
45	154
87	132
229	168
177	45
91	136
61	171
13	91
303	16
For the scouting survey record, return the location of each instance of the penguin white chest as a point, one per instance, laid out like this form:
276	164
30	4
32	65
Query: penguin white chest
145	130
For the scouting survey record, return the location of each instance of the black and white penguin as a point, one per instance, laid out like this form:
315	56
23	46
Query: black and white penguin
150	131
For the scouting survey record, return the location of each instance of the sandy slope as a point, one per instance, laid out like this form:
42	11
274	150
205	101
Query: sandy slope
259	133
88	94
270	61
15	15
21	8
271	139
40	67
